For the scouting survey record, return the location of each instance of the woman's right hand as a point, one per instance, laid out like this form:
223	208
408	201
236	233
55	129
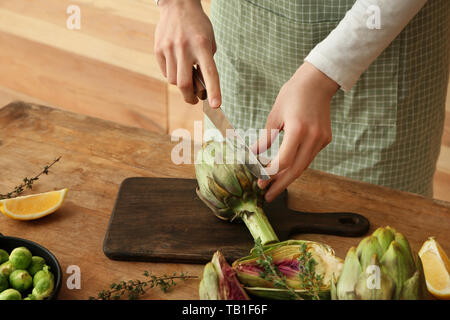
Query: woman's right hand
184	36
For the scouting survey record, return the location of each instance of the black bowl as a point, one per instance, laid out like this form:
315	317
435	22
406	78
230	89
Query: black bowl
9	243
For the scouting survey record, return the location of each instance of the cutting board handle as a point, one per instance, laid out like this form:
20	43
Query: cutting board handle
288	222
346	224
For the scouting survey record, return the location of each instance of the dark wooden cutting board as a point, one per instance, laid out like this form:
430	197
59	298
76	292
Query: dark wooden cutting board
163	220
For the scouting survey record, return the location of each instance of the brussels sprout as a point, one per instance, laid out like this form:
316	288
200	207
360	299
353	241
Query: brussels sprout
30	297
10	294
37	263
44	283
20	258
4	256
44	273
3	283
20	280
6	269
44	288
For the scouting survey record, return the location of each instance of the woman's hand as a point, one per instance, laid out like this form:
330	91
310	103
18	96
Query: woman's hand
302	111
184	36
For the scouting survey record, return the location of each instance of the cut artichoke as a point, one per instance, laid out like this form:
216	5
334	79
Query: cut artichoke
229	189
284	294
219	281
285	256
382	267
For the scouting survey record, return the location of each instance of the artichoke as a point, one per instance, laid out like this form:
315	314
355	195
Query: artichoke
219	281
289	258
229	189
382	267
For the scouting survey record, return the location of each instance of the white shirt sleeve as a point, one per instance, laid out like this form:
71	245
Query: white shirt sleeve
357	40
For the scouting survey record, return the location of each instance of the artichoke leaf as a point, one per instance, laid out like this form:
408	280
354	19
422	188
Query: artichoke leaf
384	236
283	294
374	283
209	285
349	276
397	264
224	176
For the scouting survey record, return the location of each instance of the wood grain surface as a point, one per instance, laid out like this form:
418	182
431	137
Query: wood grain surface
98	155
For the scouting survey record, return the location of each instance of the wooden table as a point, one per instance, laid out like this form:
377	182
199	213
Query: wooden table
97	155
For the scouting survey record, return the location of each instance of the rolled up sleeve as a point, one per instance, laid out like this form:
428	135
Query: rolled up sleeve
356	41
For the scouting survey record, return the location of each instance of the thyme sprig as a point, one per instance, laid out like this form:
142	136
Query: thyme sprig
27	182
311	281
270	271
132	289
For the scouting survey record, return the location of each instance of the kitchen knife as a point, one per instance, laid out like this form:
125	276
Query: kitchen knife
218	118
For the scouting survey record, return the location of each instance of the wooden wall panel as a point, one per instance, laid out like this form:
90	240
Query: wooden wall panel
83	85
107	69
183	115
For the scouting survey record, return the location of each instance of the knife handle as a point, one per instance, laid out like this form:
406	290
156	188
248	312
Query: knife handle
199	83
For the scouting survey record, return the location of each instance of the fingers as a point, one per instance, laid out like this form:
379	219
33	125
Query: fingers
262	184
310	145
161	62
178	48
171	67
177	68
316	151
184	77
210	75
285	157
270	132
286	177
213	44
288	149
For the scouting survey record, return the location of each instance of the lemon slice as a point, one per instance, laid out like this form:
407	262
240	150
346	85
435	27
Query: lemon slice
436	267
33	206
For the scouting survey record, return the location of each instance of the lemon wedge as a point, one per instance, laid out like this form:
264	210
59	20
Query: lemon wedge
436	267
34	206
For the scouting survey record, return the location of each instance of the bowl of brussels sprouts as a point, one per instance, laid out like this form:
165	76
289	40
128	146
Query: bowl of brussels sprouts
28	271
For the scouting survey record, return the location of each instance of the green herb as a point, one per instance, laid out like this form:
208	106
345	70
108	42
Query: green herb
270	270
311	281
132	289
27	182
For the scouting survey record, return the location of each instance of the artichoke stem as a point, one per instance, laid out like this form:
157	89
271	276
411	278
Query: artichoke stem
257	223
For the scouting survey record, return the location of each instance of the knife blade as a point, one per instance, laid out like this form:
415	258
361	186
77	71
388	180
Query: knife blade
244	154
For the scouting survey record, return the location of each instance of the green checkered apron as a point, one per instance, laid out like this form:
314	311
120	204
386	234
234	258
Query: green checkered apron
387	130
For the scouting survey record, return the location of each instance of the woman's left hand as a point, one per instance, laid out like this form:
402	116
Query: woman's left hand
302	111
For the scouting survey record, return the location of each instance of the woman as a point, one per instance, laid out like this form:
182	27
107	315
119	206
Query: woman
372	72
